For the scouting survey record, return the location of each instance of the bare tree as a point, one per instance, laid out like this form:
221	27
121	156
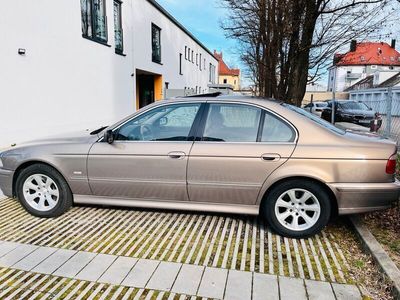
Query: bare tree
286	44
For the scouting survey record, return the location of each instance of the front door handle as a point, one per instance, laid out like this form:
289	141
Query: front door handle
177	155
271	157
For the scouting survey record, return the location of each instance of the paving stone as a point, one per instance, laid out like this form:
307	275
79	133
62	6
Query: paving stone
118	270
16	255
292	288
346	292
54	261
319	290
265	286
213	282
238	286
75	264
164	276
188	279
6	247
141	273
96	267
36	257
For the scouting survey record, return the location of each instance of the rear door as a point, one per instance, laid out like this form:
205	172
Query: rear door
239	145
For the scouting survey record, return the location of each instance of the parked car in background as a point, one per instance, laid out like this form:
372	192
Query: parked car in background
351	112
315	108
219	154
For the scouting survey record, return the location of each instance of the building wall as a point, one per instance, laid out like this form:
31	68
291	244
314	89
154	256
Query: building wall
65	82
232	80
322	96
346	76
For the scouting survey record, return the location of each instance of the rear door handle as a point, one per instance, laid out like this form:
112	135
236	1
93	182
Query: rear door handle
177	155
271	157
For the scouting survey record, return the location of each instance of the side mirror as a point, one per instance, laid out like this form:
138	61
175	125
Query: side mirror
109	136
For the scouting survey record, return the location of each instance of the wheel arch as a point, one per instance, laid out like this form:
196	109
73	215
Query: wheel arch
29	163
331	194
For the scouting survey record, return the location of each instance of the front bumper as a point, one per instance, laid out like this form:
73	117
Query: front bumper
365	197
6	182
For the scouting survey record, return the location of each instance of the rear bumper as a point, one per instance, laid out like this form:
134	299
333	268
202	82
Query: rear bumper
6	179
365	197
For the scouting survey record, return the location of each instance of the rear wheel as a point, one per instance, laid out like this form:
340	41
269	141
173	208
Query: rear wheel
43	192
297	208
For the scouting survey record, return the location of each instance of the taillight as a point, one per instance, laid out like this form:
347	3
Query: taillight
391	164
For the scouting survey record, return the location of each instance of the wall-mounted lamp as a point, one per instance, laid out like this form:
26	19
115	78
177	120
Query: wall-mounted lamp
21	51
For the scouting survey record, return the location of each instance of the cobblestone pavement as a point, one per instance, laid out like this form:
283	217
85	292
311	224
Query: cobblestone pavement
34	272
107	253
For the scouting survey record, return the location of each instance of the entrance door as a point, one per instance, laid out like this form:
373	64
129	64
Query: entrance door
145	84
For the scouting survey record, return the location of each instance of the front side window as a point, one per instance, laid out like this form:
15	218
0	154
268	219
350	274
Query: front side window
166	123
276	130
94	20
118	35
232	123
156	43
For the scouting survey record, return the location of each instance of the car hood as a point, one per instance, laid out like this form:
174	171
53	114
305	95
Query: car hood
76	137
368	113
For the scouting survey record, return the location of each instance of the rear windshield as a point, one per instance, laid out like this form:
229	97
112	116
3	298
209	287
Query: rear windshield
314	118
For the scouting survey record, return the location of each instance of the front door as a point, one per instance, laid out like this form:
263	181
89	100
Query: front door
240	147
148	158
145	84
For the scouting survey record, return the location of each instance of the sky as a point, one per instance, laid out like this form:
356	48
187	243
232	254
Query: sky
202	18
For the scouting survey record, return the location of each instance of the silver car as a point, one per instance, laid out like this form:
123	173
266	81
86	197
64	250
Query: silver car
221	154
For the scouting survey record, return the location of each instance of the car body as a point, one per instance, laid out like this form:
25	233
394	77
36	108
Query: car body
226	154
350	111
316	108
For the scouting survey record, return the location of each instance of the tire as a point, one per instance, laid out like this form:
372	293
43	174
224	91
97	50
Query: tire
311	216
43	191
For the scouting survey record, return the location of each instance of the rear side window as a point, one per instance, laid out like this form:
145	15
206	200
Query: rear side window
232	123
276	130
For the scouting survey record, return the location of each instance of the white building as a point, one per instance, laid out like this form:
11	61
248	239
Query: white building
363	59
70	65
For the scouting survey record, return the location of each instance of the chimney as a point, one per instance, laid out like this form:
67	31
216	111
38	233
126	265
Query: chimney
353	46
393	44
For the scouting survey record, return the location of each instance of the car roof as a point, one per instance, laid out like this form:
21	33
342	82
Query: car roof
228	98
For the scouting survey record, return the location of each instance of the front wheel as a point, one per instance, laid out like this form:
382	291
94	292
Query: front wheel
297	208
43	192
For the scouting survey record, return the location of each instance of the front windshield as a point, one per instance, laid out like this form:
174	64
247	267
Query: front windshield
314	118
351	105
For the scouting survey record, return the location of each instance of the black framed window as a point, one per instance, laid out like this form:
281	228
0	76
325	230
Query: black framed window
200	62
156	43
180	64
197	59
94	20
118	32
192	56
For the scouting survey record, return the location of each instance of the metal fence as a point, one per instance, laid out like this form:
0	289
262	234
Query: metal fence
385	101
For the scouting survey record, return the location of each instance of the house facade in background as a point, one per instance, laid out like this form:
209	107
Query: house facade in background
70	65
363	60
226	75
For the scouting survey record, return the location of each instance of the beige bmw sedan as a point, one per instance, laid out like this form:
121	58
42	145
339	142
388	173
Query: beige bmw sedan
227	154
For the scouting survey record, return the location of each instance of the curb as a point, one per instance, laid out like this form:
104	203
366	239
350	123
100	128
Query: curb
373	247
